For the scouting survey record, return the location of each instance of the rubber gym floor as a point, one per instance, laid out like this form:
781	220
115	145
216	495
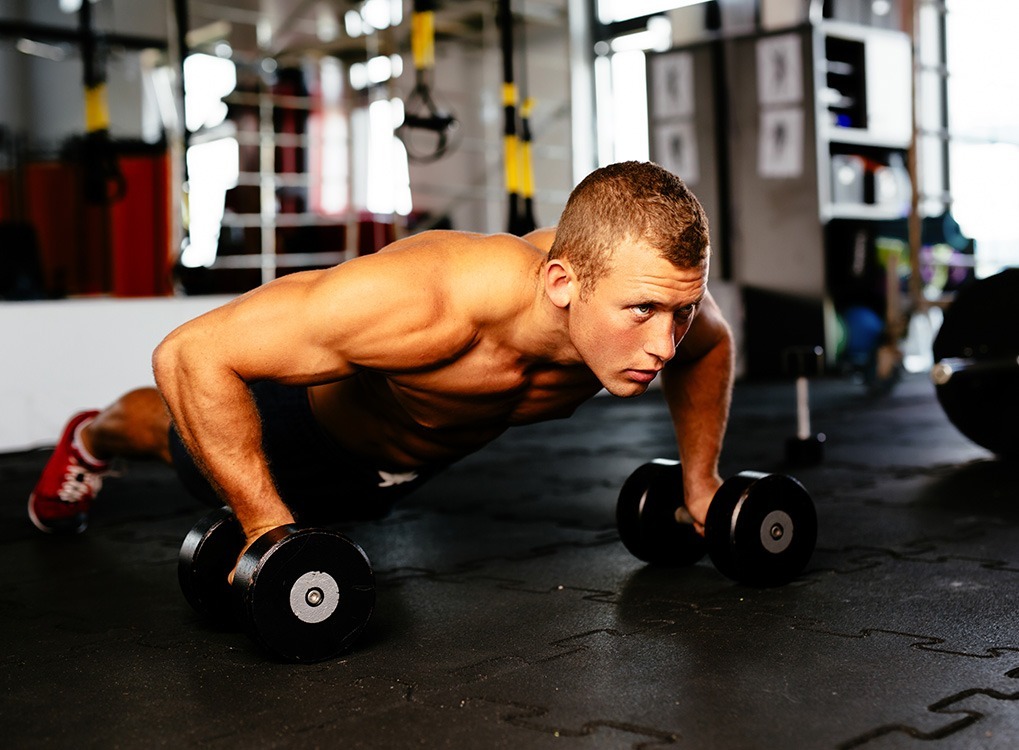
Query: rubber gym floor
510	616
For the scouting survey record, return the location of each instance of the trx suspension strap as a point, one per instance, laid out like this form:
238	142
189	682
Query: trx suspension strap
103	181
421	112
516	224
527	222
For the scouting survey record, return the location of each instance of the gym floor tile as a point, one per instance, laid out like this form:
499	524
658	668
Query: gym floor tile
510	616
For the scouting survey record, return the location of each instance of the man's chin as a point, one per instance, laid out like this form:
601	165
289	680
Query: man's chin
626	388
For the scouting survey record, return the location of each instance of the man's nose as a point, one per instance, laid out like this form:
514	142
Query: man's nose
662	341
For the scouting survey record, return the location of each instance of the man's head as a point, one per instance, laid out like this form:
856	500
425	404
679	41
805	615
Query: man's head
629	269
636	202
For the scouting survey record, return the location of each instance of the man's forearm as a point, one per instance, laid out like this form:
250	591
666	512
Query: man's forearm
699	393
215	415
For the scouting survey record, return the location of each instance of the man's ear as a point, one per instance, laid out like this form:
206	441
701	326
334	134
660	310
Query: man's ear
560	282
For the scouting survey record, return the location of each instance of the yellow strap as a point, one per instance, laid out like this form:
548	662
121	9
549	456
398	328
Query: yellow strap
97	113
509	95
422	39
526	170
512	168
526	165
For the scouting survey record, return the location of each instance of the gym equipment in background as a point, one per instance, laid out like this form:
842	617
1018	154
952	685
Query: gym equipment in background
976	362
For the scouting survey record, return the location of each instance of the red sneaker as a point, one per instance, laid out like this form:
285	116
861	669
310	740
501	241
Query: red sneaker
60	502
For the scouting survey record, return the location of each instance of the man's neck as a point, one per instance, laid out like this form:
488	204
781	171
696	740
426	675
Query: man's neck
541	332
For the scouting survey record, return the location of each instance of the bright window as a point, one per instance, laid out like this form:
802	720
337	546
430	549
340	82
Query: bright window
621	89
983	117
610	11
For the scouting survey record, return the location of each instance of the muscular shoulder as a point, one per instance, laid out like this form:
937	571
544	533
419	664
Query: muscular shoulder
495	278
479	276
425	298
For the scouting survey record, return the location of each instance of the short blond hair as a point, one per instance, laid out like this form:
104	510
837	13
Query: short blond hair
635	201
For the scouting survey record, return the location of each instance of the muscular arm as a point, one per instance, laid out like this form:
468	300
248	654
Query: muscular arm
384	312
697	384
214	413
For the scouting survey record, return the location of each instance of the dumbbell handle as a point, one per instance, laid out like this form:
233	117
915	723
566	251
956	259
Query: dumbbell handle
946	368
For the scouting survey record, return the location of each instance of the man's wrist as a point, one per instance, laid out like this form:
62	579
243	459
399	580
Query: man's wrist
701	484
255	525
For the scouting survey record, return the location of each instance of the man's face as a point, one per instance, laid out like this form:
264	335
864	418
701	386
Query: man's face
628	326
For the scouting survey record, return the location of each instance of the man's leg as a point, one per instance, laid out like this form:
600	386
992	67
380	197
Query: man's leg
134	426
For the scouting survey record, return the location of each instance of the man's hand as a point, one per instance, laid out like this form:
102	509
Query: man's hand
698	495
252	534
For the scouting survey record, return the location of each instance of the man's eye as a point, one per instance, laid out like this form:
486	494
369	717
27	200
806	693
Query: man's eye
643	309
685	312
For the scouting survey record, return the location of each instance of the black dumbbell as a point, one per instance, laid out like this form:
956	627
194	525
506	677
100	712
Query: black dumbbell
646	516
304	595
760	530
207	556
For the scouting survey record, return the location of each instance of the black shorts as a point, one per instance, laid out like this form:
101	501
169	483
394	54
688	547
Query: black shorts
318	480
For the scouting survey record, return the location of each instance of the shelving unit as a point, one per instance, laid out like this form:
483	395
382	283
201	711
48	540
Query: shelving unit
818	124
863	79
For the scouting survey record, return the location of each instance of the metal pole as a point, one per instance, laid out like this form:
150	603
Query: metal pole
582	105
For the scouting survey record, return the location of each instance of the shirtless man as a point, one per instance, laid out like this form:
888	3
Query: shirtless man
326	395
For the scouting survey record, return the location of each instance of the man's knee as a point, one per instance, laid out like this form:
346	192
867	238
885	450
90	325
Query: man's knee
135	425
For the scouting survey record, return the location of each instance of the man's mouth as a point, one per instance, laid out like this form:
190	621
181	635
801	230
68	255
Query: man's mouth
642	376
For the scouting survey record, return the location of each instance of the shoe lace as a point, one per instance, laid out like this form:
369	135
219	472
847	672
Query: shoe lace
80	483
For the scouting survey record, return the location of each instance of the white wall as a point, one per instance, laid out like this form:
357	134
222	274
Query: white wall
61	357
